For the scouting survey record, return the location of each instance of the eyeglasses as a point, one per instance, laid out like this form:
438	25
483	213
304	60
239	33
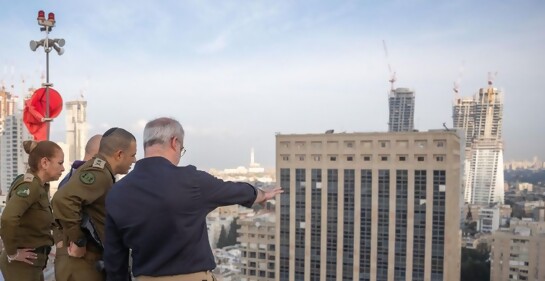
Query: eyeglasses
182	148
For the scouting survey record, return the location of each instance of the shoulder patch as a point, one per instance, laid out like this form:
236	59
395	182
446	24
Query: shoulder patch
99	163
28	177
87	177
23	191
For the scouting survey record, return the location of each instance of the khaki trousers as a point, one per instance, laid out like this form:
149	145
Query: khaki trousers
68	268
19	271
197	276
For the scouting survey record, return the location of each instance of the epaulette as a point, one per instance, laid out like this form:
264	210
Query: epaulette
99	163
18	177
28	177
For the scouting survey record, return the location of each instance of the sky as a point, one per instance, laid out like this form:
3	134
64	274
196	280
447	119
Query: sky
235	73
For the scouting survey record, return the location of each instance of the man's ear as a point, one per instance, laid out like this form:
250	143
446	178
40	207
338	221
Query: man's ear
173	142
118	154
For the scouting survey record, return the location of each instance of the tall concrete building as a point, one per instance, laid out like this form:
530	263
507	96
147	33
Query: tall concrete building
7	106
401	103
257	240
13	158
369	206
480	118
518	253
76	129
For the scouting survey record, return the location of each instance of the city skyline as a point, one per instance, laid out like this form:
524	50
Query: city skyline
235	73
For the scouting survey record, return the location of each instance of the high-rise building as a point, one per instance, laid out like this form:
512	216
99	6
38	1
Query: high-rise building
14	160
257	240
463	117
480	118
401	102
7	106
369	206
518	253
76	130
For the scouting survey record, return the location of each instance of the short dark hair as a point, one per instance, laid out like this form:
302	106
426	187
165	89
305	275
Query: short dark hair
115	139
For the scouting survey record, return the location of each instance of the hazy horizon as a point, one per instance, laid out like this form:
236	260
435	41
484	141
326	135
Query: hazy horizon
234	73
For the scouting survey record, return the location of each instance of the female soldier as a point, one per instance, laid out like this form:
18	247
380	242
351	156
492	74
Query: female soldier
27	218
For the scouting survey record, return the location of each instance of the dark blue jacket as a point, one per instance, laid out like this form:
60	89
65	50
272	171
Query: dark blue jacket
159	211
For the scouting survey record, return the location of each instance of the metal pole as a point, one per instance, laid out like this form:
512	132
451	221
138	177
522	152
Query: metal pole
47	94
47	49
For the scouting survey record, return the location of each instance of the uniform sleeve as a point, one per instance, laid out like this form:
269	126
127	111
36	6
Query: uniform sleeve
68	202
116	254
16	206
219	193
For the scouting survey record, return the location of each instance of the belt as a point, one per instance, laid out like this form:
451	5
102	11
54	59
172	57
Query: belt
42	250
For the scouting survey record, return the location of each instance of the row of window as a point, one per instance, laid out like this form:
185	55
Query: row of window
367	144
366	158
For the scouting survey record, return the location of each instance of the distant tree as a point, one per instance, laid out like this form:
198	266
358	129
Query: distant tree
222	241
475	263
232	235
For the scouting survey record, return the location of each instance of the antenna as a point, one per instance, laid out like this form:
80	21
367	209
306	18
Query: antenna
392	73
490	92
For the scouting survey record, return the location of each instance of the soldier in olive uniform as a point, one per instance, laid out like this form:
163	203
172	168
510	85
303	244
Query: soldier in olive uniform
27	219
84	194
61	254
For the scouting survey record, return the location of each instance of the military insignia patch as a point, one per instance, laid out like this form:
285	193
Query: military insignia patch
87	177
28	177
23	192
99	163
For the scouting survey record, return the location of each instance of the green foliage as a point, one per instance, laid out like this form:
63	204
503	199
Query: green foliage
228	238
222	241
475	263
232	235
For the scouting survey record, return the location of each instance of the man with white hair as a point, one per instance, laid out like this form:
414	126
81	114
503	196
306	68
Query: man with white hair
159	211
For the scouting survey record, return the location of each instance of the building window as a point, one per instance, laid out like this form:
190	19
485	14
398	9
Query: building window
332	145
301	157
366	144
383	158
300	145
316	158
332	158
366	158
402	158
421	143
349	158
420	158
439	143
383	144
285	144
439	158
285	158
402	143
316	145
349	144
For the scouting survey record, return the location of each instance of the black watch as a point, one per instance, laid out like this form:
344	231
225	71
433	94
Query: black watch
81	242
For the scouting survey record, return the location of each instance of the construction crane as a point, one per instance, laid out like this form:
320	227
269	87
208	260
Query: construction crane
490	90
392	73
456	88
